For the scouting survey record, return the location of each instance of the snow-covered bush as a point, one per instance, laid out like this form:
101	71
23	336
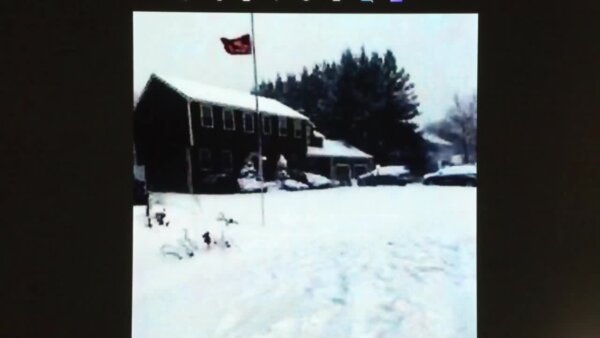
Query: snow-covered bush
249	180
248	170
293	185
318	181
185	247
282	173
250	185
282	162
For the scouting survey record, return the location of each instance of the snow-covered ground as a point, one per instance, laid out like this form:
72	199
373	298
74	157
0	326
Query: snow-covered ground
344	262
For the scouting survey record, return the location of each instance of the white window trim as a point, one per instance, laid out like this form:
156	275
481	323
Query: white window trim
225	110
267	121
230	155
279	120
297	128
212	116
246	129
203	164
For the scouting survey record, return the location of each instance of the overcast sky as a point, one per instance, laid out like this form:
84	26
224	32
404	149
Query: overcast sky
438	50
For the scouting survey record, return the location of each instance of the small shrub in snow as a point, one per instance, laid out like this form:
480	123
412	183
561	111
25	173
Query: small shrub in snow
282	175
159	214
248	171
185	247
249	180
189	242
206	238
225	220
176	251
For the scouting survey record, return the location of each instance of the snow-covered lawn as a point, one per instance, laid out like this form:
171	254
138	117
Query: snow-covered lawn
344	262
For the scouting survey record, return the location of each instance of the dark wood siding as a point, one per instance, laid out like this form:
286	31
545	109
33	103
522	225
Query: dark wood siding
242	143
162	137
160	119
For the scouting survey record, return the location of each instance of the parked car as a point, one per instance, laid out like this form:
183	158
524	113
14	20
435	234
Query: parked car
390	175
462	175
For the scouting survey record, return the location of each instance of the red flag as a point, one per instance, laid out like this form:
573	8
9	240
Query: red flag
239	46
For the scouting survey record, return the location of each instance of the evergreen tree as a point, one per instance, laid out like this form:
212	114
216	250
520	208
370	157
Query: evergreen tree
291	92
367	102
279	89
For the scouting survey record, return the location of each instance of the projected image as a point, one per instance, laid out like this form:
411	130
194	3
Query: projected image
304	175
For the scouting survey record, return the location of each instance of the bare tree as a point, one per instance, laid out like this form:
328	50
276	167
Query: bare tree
463	121
459	126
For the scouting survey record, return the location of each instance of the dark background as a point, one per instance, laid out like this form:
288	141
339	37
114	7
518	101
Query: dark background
66	71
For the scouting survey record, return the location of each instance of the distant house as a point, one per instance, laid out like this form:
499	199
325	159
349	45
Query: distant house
441	151
185	131
336	159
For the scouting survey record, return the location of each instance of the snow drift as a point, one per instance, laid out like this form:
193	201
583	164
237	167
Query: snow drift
344	262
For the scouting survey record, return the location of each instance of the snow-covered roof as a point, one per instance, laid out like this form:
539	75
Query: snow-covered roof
436	139
319	135
392	170
333	148
227	97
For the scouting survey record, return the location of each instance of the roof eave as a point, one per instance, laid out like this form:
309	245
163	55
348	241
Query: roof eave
191	98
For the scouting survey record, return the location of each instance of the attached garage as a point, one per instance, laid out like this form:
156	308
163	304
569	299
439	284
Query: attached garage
337	160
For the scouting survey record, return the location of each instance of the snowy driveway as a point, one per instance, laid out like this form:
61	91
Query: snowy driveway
346	262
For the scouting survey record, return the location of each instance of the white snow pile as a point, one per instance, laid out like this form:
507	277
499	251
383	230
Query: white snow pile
344	262
318	181
249	184
293	185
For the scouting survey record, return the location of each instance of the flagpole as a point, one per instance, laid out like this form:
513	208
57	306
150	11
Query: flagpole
259	125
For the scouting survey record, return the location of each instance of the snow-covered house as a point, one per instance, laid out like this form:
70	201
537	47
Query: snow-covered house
185	132
441	151
336	159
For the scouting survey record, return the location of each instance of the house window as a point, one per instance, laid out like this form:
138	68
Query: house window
227	160
206	116
282	126
249	122
297	128
205	158
266	124
228	119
